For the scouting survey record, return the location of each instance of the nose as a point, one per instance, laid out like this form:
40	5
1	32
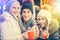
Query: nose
17	10
26	14
39	21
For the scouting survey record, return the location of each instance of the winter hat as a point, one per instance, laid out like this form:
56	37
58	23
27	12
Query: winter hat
9	5
46	14
27	5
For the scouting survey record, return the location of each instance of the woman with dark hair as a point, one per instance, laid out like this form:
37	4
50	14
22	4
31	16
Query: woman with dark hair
28	24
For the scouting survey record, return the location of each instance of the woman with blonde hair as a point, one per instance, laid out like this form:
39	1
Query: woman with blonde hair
10	27
43	20
54	29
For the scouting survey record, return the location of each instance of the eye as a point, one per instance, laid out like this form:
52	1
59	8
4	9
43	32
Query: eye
39	19
14	7
24	12
28	12
42	18
18	8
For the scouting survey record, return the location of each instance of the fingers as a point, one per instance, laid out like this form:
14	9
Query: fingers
45	34
25	35
37	33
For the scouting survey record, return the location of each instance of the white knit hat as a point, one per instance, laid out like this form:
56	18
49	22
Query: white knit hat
46	14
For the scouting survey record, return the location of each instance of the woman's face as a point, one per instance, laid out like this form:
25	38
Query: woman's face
15	8
27	14
41	21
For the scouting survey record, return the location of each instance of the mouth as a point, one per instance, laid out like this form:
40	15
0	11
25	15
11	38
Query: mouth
25	17
14	12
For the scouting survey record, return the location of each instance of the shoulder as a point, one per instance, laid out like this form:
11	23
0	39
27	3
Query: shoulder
7	16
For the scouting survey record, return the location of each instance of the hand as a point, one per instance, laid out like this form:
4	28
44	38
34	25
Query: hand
25	35
36	31
45	34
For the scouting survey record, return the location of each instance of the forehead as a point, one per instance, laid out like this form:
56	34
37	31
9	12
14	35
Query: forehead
40	16
26	9
15	4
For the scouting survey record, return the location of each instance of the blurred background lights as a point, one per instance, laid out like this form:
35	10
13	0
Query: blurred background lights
57	8
58	1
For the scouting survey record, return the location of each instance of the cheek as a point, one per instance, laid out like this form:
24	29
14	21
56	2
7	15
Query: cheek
29	15
18	10
43	22
12	10
23	14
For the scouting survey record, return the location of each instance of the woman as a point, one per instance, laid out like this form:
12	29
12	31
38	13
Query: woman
10	27
43	19
28	24
54	29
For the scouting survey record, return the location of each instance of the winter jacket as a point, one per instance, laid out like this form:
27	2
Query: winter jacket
32	25
10	28
29	23
54	36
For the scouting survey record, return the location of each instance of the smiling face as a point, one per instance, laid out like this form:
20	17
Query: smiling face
42	21
15	8
27	14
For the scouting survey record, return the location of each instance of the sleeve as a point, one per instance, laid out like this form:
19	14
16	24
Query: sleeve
10	29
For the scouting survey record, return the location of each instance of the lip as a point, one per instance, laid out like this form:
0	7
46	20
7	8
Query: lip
15	13
25	17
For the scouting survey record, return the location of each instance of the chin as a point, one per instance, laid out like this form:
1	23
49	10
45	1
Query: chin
26	20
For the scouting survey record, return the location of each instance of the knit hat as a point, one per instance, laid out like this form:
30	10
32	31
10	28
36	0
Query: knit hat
46	14
9	5
27	5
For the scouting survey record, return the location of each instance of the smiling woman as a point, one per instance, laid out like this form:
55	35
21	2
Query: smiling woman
43	21
10	26
27	11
